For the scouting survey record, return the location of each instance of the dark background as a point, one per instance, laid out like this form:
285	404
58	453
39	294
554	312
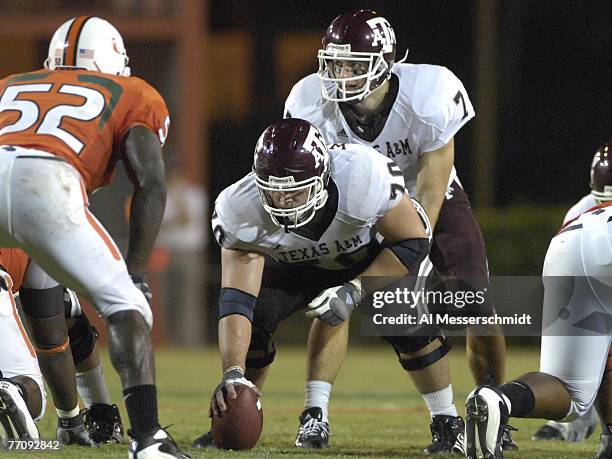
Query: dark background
553	82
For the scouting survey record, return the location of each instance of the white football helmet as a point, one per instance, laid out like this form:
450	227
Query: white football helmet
89	43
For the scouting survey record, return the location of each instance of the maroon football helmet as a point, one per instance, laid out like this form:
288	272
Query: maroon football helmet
357	56
291	157
601	173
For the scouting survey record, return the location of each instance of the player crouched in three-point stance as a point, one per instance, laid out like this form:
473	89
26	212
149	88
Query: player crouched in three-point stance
59	351
309	199
410	113
22	392
577	278
62	130
601	191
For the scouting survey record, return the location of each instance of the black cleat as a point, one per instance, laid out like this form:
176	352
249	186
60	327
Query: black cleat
158	445
446	435
103	423
313	432
72	431
507	443
204	441
605	447
16	423
547	432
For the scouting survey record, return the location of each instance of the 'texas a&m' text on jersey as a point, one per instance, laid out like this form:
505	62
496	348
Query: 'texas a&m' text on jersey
368	185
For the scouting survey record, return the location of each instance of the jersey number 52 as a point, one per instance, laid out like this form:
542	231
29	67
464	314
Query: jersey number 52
30	112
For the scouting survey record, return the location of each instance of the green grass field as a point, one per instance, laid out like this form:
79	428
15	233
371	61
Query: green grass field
375	411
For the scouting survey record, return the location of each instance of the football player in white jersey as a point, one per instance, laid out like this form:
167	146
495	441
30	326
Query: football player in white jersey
577	278
601	191
409	113
301	230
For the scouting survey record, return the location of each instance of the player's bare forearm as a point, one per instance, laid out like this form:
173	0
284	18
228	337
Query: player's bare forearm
146	212
234	339
241	270
145	168
432	179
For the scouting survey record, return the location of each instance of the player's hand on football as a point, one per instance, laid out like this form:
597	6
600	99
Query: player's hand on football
335	304
140	282
231	376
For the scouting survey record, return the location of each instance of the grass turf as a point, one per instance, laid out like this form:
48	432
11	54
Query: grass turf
375	410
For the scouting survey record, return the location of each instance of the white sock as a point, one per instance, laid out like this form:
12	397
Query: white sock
441	402
317	394
67	414
92	386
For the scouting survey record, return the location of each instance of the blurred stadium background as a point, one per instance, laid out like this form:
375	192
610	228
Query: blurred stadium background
537	71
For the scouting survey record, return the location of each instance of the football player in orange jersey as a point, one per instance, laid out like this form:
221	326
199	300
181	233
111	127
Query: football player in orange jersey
62	130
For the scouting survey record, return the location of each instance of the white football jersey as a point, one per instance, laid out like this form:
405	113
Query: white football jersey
585	203
368	186
430	108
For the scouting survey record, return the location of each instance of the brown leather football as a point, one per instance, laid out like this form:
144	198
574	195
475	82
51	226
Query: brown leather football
240	425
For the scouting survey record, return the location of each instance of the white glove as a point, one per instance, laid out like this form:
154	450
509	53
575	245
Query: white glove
335	304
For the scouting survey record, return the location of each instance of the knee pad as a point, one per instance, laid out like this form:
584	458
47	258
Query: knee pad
45	310
83	338
412	344
42	303
261	350
49	334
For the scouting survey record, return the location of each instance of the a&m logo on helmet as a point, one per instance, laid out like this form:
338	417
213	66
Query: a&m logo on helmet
383	34
314	140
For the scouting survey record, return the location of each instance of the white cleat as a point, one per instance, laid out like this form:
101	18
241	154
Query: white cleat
485	421
160	445
16	423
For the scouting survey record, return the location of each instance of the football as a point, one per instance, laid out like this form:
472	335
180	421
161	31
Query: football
240	426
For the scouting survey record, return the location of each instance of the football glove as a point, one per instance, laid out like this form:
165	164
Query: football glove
141	284
335	304
231	376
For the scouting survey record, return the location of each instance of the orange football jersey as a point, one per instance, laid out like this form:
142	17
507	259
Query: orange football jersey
79	115
15	262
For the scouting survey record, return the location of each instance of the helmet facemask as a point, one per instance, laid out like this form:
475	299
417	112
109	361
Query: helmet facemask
301	214
373	71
